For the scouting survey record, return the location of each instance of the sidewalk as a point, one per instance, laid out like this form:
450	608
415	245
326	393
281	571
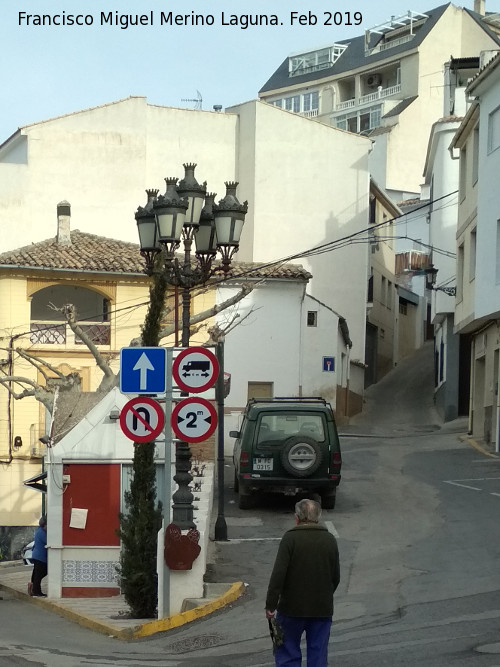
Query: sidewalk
109	615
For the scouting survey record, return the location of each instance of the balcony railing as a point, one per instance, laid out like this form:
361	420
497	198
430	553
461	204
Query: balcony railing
389	45
348	104
59	333
310	114
380	94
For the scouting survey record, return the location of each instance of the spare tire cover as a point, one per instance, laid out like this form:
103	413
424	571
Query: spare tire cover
301	456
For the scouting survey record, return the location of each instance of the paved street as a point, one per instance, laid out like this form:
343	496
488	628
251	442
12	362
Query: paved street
416	520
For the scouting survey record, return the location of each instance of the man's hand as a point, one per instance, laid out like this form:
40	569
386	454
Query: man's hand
269	613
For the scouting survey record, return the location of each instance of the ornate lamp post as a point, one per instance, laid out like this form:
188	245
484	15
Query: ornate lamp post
430	282
185	212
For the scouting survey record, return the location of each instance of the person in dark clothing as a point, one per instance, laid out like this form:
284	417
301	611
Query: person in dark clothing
305	575
39	558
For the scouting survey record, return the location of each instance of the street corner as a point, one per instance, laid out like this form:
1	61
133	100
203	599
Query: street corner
484	448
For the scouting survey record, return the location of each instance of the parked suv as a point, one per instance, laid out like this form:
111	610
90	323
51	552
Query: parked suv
287	445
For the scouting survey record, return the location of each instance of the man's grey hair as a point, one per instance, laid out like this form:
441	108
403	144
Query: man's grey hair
308	511
42	521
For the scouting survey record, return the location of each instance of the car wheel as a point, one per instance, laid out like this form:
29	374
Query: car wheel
301	456
236	484
245	499
328	501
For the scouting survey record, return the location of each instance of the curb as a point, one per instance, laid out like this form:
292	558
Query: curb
235	591
141	630
478	447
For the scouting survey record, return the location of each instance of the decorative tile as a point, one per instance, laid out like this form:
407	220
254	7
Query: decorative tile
89	572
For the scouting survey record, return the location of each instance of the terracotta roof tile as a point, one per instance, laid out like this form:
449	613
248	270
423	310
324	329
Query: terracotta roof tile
99	254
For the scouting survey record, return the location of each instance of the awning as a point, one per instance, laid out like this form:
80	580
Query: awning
37	482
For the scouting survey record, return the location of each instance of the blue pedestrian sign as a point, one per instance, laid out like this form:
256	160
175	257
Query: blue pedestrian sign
143	370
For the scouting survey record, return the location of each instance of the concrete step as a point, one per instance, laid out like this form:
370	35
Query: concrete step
211	592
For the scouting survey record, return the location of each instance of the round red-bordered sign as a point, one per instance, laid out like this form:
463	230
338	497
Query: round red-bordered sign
142	419
195	369
193	419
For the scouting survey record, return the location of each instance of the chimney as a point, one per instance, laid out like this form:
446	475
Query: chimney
63	223
479	7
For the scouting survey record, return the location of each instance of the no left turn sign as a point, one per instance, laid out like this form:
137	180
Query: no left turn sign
193	419
142	419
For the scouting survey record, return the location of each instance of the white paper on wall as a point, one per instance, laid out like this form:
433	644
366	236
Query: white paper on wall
78	518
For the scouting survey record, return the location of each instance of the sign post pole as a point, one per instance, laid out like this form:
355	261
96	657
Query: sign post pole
167	481
220	524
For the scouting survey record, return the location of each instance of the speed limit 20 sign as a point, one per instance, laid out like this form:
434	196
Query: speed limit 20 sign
193	419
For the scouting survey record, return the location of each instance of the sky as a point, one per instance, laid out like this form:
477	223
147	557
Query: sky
50	70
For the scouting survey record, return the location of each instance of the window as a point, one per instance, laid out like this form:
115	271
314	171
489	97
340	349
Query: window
293	103
403	307
460	272
463	173
389	294
373	209
369	297
475	156
311	101
260	390
383	291
312	318
494	130
360	121
314	61
306	103
497	271
472	257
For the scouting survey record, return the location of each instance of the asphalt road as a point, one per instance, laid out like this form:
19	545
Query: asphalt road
416	520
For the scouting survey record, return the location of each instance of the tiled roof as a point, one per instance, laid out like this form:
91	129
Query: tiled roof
353	57
87	252
98	254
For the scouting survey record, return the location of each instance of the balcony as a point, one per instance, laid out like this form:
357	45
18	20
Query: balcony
59	333
379	94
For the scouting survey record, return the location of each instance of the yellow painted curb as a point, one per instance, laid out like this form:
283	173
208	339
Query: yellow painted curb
478	447
140	630
162	624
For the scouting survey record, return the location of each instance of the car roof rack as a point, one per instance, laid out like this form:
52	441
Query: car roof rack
291	399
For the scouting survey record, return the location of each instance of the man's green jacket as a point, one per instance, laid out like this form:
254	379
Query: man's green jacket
306	572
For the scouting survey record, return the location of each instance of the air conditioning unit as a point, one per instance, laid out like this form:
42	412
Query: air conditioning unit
374	80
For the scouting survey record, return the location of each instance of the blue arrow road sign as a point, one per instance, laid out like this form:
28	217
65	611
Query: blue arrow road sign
142	370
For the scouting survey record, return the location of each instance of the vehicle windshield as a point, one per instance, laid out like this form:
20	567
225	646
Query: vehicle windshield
280	426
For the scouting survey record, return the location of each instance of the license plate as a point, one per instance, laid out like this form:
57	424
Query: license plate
263	464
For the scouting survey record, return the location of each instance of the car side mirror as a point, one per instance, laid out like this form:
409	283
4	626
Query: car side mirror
234	434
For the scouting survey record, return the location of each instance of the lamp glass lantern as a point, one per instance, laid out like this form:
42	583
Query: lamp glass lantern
205	238
170	212
229	218
194	194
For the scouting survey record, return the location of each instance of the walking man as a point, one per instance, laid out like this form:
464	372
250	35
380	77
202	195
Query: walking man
305	575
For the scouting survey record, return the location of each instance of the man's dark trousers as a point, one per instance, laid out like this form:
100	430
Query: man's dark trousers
317	635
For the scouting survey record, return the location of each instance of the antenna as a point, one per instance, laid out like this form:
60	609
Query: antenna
197	100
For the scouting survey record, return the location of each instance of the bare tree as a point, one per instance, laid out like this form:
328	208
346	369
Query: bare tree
70	384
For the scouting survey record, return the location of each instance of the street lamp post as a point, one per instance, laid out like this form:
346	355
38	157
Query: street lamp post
430	282
185	212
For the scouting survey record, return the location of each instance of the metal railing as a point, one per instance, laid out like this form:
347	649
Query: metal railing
389	45
59	333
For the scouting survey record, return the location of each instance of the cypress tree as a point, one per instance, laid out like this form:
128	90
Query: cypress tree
140	523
